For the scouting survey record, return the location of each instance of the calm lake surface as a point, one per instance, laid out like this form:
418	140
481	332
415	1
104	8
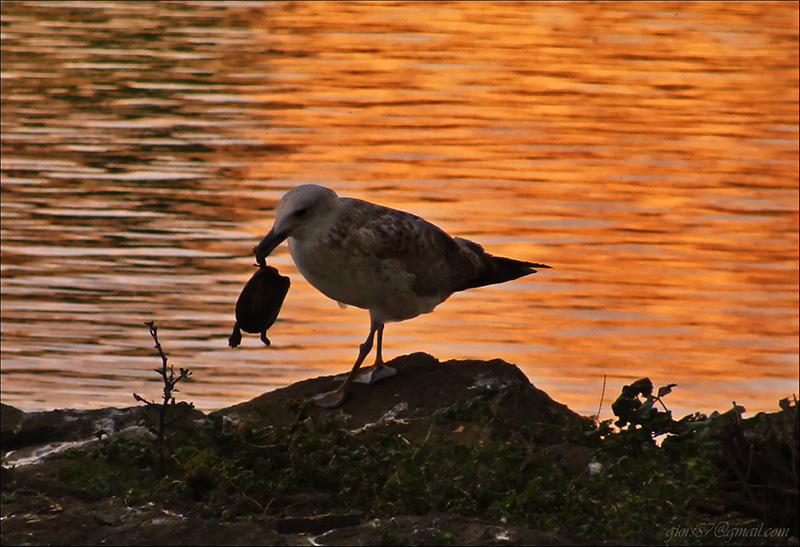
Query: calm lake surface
648	151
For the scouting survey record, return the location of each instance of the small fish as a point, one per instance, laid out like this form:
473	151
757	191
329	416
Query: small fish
259	304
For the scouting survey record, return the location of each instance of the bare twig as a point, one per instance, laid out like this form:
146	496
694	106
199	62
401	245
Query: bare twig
167	374
602	396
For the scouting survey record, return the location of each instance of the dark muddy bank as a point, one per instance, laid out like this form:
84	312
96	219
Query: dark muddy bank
460	452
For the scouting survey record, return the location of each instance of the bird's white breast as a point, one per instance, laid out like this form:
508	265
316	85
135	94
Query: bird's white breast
349	276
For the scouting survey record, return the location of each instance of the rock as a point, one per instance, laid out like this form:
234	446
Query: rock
29	437
424	392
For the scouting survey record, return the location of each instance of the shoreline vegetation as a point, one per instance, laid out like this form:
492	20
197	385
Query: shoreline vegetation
444	453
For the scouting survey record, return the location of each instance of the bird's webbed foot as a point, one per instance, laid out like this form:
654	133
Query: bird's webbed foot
375	373
331	399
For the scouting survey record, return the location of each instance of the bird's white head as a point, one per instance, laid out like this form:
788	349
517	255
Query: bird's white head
300	211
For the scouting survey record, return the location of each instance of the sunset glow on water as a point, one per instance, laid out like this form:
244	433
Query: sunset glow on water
647	151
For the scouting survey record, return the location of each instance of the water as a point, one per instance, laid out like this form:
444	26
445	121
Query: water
647	151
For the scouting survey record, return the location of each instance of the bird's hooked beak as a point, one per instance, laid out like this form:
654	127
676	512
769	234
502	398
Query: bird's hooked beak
268	244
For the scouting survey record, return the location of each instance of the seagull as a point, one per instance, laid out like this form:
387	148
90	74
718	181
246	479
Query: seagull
392	263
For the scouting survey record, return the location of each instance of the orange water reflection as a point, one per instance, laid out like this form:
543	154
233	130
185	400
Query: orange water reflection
648	151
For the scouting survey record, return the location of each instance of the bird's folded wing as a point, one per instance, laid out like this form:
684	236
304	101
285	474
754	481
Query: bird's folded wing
436	263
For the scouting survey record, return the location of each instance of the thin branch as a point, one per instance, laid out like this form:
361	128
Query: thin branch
167	374
602	396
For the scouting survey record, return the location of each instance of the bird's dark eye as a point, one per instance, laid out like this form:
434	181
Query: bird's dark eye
301	212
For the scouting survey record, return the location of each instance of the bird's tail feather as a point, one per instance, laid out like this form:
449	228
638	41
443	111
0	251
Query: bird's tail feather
505	269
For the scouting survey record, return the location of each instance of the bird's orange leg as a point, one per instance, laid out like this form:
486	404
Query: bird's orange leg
378	371
336	397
